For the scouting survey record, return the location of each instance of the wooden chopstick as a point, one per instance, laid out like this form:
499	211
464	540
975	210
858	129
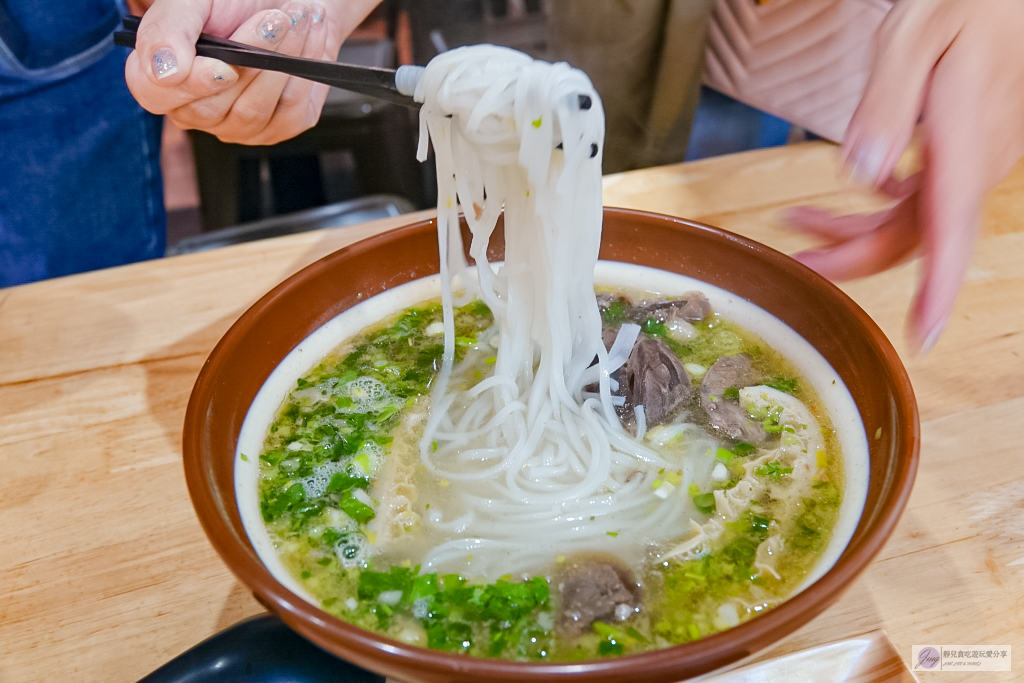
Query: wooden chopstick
372	81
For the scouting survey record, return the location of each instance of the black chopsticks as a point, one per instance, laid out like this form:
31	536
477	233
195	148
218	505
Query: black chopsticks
366	80
372	81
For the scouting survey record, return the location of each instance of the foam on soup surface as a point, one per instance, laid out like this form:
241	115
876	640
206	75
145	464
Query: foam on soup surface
337	501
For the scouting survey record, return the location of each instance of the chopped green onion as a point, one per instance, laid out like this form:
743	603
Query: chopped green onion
363	460
665	491
356	509
602	629
705	503
341	482
773	470
771	422
783	384
636	635
744	449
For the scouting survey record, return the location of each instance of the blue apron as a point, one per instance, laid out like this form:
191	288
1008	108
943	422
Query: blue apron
80	184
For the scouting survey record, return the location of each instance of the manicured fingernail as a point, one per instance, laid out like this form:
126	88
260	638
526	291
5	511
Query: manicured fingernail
319	14
933	338
867	163
274	27
220	75
299	15
164	63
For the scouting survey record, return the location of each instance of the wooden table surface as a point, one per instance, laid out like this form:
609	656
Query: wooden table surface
105	573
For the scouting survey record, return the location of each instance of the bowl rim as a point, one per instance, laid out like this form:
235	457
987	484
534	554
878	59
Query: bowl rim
395	657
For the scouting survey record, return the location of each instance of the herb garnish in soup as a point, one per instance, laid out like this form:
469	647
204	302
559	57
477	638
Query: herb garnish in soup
532	470
734	515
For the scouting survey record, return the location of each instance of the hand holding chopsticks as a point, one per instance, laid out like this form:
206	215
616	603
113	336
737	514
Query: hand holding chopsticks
262	104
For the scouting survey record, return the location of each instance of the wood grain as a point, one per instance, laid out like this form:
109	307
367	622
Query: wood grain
105	573
867	658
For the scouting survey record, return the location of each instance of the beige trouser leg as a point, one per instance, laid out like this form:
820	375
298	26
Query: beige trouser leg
645	58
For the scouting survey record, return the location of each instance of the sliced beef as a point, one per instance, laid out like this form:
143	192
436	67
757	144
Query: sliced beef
590	589
656	379
730	372
691	307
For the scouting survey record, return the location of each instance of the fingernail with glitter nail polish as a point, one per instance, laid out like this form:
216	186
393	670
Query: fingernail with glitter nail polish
867	163
273	29
164	63
221	75
300	17
319	14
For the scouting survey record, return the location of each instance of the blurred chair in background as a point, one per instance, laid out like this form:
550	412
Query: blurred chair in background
360	147
337	215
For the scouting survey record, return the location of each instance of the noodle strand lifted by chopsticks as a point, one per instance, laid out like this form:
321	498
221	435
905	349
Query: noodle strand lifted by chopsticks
539	469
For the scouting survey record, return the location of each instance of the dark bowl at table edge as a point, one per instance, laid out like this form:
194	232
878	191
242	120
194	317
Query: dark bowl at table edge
812	306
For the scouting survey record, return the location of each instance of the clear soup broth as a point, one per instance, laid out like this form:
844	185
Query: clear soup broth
353	517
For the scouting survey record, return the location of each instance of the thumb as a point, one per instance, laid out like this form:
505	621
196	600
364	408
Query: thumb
909	44
166	39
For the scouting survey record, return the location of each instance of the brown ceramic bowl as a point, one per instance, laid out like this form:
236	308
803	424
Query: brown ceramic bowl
810	305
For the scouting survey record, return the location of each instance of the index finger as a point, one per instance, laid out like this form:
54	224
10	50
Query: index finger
209	78
206	77
910	42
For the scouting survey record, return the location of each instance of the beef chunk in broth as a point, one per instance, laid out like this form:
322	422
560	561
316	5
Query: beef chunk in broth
691	307
730	372
656	379
595	588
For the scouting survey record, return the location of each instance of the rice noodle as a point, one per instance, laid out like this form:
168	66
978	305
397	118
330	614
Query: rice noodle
538	466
